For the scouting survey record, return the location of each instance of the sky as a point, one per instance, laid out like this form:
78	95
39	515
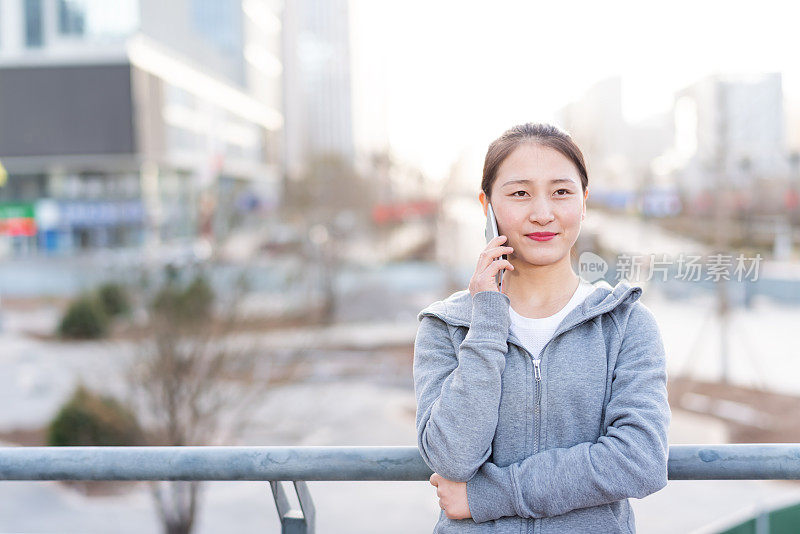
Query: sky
447	76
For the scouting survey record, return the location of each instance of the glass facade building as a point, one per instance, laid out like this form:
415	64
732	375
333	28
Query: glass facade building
124	121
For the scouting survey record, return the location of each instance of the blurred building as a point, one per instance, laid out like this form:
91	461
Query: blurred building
461	224
731	126
138	121
597	125
317	82
618	154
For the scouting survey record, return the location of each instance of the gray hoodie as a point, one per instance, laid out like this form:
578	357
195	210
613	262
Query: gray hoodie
554	442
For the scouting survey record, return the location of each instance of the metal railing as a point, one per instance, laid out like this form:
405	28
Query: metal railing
756	461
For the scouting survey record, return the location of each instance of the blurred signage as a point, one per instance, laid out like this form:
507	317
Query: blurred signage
791	199
612	199
401	211
17	219
3	175
100	213
661	203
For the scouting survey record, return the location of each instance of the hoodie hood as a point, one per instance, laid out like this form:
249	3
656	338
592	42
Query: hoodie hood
456	310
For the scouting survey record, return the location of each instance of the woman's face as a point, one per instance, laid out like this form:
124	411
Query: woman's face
538	189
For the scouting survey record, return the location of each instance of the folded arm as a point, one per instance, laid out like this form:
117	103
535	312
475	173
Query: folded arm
458	393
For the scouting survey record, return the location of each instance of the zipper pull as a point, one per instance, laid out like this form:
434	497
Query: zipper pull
536	371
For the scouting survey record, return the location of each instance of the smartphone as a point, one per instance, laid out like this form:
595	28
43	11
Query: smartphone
492	232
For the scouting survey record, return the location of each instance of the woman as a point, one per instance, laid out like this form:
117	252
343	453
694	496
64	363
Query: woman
543	407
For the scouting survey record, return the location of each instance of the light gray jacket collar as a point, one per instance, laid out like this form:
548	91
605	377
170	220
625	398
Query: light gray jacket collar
456	310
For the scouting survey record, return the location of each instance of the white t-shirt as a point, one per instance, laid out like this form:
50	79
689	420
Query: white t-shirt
535	333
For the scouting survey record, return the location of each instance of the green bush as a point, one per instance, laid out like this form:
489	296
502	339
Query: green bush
114	299
189	305
88	419
85	319
198	298
167	301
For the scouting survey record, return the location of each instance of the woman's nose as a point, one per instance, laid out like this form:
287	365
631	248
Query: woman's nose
541	212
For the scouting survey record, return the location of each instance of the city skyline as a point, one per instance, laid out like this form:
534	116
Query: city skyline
443	77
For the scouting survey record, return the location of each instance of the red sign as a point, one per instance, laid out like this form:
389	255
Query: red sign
19	226
384	213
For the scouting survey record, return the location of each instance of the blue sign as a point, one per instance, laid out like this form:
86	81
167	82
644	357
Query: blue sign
83	213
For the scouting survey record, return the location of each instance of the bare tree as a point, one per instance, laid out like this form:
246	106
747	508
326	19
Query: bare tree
195	383
329	201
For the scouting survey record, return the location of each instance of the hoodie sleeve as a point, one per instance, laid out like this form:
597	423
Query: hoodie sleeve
628	460
458	392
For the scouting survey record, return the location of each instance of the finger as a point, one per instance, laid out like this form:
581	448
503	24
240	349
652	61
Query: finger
491	254
496	242
434	481
496	266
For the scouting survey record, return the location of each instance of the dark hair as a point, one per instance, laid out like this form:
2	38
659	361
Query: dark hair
545	135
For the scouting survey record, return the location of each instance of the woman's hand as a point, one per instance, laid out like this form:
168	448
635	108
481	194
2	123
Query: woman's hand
484	277
452	497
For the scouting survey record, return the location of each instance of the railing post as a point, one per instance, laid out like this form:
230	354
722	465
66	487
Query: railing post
294	521
762	522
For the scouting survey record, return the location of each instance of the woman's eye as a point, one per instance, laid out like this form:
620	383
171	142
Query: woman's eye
566	192
515	193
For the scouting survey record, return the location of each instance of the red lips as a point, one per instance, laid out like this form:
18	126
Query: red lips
541	236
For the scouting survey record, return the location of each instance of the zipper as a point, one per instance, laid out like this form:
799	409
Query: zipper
537	417
537	370
537	413
537	373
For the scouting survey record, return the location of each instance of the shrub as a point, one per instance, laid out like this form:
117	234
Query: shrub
88	419
198	298
85	319
188	305
114	299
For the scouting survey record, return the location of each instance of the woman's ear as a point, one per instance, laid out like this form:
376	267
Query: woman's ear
484	201
585	197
